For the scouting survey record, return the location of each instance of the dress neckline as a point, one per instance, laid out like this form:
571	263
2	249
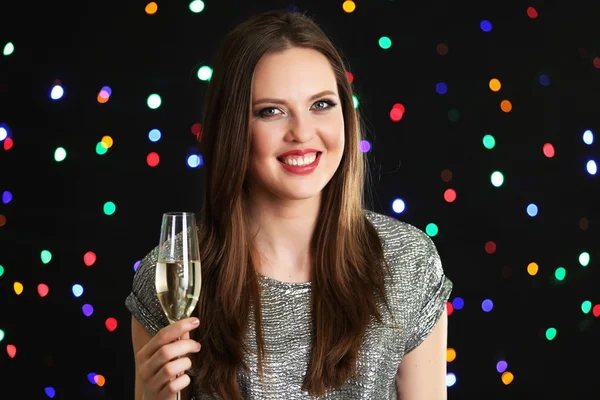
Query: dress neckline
280	284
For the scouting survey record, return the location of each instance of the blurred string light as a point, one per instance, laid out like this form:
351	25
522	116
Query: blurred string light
588	137
586	306
45	256
87	309
154	101
57	91
364	146
450	354
7	197
196	6
544	80
532	210
551	333
494	85
104	94
548	150
9	48
349	6
197	131
489	142
77	290
195	161
205	73
458	303
18	288
3	132
497	178
507	378
385	42
60	154
591	167
501	366
487	305
152	159
584	259
398	206
450	195
355	101
151	8
532	12
43	290
532	268
50	392
490	247
154	135
441	88
485	25
397	112
432	229
109	208
89	258
350	76
506	106
560	273
450	379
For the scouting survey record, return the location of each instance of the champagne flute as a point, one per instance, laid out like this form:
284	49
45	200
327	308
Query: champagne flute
178	277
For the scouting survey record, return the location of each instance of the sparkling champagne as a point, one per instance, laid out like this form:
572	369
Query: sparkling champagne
178	288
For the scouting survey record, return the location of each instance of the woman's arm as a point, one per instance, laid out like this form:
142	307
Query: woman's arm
422	372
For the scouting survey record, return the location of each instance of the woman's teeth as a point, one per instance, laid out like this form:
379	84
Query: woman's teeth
299	161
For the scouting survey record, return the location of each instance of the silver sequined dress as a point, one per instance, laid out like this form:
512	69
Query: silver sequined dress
417	295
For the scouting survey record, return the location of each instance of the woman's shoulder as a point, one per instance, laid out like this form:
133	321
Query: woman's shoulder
400	236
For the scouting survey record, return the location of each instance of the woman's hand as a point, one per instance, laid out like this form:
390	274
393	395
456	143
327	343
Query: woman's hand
163	360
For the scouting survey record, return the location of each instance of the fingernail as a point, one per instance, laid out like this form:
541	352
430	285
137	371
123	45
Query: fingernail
195	321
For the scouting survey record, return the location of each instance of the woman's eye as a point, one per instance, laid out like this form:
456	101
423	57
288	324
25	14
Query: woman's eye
326	104
267	112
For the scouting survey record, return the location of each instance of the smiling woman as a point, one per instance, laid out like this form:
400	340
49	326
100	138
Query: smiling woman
305	292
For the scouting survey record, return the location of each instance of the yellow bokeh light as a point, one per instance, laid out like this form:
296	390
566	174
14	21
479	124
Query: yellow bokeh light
106	142
507	378
100	380
349	6
18	288
506	106
151	8
495	85
450	355
532	269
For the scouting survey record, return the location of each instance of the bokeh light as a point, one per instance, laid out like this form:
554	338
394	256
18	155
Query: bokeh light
532	268
9	48
489	142
205	73
495	84
398	206
197	6
151	8
109	208
154	101
349	6
385	42
588	137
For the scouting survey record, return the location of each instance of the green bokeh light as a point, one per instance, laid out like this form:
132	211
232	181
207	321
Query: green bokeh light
46	256
197	6
586	306
489	142
109	208
431	229
550	333
385	42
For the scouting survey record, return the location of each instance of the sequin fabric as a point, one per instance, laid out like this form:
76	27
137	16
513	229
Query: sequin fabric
417	292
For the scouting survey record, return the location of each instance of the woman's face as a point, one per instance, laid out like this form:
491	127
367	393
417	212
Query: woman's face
294	106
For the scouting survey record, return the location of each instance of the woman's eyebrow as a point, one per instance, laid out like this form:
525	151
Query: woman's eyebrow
281	101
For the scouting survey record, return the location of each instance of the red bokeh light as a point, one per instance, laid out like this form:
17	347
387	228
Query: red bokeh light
153	159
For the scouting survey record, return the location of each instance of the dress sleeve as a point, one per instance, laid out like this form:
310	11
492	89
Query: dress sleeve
433	290
143	301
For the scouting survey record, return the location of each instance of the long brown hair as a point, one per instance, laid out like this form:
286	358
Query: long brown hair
348	279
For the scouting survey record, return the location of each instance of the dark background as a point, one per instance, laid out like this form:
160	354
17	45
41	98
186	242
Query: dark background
57	206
